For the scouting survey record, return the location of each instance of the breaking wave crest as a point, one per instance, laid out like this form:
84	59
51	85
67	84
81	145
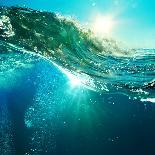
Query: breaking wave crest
100	64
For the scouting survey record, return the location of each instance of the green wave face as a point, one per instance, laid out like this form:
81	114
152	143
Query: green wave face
100	63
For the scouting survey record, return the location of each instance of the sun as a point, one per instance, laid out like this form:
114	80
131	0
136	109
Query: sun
103	25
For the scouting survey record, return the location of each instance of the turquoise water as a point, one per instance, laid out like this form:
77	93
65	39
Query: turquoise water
65	91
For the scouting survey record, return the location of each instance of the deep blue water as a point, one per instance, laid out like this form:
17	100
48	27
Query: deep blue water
74	122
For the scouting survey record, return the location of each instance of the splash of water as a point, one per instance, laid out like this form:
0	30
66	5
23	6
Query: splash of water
100	64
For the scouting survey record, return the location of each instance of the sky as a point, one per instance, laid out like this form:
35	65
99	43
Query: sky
133	21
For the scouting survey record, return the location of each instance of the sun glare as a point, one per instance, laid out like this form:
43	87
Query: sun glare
103	25
74	81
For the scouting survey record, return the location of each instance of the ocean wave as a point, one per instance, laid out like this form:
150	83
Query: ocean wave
101	64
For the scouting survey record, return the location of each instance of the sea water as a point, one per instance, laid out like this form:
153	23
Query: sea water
64	91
